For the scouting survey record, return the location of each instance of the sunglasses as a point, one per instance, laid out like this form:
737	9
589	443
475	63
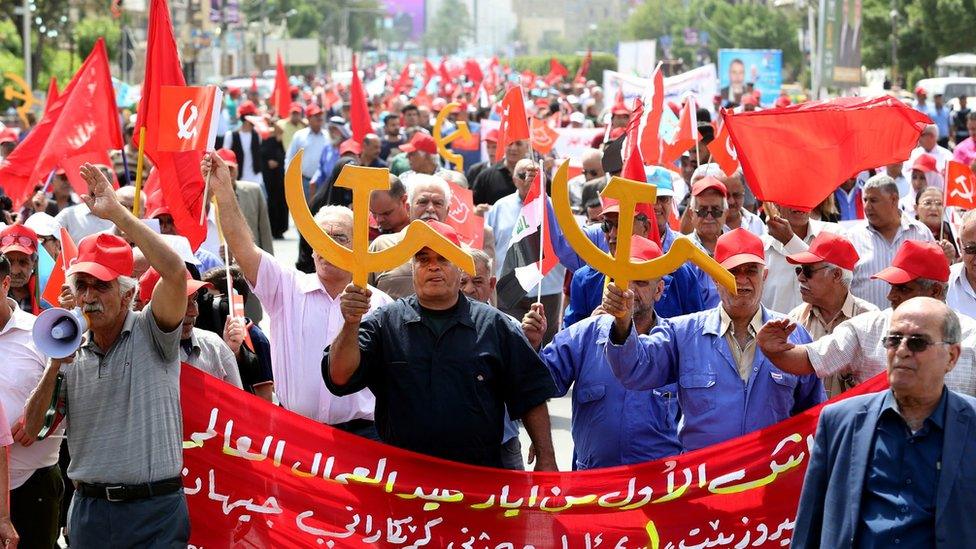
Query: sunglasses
969	250
12	239
591	173
714	211
808	270
916	343
525	175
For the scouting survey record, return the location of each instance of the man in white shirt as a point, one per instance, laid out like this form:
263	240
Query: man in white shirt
928	143
246	144
36	486
303	309
961	295
314	142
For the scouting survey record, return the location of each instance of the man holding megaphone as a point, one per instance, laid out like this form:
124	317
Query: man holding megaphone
120	390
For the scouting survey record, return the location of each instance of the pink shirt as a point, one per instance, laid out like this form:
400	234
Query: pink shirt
304	321
965	152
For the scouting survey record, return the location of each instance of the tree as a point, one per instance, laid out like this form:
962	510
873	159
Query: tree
450	28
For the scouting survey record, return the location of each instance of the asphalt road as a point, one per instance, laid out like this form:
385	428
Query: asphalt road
286	251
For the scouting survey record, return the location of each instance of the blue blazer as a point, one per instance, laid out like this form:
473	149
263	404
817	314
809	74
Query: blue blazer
831	496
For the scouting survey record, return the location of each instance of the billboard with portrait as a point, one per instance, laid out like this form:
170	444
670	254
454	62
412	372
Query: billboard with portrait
409	18
737	68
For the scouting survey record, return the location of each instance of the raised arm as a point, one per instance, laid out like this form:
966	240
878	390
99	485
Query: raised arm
8	536
235	227
169	298
639	363
773	340
344	355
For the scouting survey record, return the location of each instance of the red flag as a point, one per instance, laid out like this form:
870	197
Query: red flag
472	70
404	83
528	78
180	180
430	71
461	216
359	120
840	137
52	93
188	117
584	67
543	137
686	136
723	152
282	95
514	125
329	98
650	122
556	71
83	119
634	169
57	278
960	188
447	81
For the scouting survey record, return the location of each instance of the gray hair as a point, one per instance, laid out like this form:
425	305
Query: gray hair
419	181
126	283
883	183
457	178
480	256
929	285
951	329
846	275
694	202
931	128
333	212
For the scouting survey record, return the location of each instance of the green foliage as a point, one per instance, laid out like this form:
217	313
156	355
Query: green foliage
729	25
316	18
449	29
90	29
539	64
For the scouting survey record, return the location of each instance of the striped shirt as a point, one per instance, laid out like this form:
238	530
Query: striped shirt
877	253
855	348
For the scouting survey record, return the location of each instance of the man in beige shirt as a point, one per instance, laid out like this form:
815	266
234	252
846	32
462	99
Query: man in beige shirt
824	273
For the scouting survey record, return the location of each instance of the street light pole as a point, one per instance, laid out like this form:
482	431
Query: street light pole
894	42
27	45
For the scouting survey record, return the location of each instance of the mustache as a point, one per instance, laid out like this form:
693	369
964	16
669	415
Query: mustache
92	308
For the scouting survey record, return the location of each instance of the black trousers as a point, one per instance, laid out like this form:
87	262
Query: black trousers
35	507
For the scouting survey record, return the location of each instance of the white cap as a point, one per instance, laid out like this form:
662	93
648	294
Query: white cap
44	225
577	117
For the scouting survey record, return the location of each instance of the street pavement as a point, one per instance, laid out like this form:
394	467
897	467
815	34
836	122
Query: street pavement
286	252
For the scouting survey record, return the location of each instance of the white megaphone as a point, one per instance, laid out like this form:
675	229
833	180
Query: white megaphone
57	332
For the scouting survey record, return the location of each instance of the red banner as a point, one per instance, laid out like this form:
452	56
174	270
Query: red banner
461	216
257	475
188	117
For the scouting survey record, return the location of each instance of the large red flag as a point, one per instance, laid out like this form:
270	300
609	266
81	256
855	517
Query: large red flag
82	120
557	71
960	186
282	95
404	83
52	93
180	180
840	137
514	125
472	70
723	152
359	120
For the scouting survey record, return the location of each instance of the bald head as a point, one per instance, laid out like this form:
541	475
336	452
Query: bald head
127	197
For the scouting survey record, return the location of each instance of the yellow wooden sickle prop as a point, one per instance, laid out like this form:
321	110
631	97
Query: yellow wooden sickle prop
620	267
359	260
27	95
461	132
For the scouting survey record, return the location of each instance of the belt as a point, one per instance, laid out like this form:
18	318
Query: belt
129	492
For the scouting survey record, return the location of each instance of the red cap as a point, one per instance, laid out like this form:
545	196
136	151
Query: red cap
162	210
783	101
492	136
445	230
916	259
619	108
234	92
749	99
104	256
611	205
738	247
709	183
292	90
227	156
829	247
644	249
8	135
920	91
246	108
295	107
350	146
313	110
438	104
542	102
147	283
18	238
925	163
420	142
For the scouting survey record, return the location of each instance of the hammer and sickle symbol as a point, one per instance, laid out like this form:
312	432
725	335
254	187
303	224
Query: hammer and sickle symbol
620	267
24	93
187	124
359	260
461	132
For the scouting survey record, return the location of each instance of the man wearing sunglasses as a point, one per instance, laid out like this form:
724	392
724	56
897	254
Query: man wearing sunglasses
961	295
592	164
893	469
824	274
854	348
19	244
726	386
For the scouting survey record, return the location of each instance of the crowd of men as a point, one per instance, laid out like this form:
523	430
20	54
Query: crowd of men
879	277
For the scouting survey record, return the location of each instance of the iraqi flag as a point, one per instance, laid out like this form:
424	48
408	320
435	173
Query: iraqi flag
523	269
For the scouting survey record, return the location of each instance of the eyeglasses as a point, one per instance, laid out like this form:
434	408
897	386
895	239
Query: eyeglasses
916	343
969	250
610	225
340	238
12	239
591	173
930	203
525	175
714	211
808	271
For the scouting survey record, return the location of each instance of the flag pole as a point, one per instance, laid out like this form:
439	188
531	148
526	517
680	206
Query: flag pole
142	145
542	226
230	283
203	202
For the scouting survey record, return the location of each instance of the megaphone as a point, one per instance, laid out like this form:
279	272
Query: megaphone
57	332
